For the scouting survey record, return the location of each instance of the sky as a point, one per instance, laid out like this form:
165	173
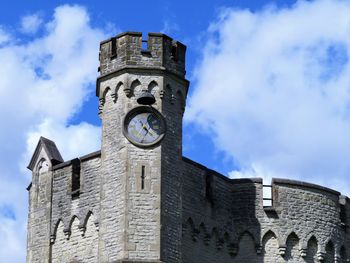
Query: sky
269	93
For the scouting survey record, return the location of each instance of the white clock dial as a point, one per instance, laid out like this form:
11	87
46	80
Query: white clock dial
144	126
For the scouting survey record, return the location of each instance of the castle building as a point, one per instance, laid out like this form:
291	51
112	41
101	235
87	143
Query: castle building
139	200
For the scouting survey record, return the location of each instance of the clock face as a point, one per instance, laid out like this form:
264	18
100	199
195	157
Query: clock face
144	126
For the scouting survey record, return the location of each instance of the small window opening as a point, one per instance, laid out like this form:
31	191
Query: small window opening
114	47
209	186
143	177
75	178
267	196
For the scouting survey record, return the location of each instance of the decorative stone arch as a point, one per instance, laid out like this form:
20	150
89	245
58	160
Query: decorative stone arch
267	232
304	242
204	233
215	236
288	251
153	88
329	249
55	229
268	235
102	100
329	241
237	248
42	166
83	223
283	239
190	227
116	90
250	233
134	89
91	214
68	229
307	252
104	93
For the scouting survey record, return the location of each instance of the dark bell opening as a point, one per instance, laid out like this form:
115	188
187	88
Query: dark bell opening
146	98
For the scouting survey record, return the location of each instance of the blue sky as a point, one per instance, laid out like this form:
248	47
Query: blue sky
269	94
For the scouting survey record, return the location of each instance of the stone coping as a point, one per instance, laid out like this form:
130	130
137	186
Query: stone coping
282	181
232	181
137	34
82	158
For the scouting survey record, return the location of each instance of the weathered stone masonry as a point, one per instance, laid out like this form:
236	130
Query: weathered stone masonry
127	203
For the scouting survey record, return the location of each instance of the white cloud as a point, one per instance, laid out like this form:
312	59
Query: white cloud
4	36
31	23
273	88
43	83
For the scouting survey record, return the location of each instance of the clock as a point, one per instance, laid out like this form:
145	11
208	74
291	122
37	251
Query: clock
144	126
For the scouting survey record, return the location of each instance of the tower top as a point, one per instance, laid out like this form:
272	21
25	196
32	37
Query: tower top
128	50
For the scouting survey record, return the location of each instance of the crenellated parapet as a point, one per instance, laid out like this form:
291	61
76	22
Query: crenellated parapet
129	50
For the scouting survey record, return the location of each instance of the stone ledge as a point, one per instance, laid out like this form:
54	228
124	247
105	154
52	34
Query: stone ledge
213	172
295	183
82	159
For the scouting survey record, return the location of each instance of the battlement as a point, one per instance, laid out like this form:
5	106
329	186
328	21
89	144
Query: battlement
129	50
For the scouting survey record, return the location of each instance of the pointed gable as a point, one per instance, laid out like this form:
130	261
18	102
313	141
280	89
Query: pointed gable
51	151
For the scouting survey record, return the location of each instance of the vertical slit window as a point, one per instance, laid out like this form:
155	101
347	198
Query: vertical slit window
75	177
209	186
113	47
143	177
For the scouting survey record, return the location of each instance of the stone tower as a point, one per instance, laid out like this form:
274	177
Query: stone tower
141	186
130	191
139	200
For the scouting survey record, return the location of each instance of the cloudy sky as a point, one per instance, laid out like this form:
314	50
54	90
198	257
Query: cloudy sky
269	94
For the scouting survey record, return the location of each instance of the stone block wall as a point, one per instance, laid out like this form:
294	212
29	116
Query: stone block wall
75	215
39	217
225	220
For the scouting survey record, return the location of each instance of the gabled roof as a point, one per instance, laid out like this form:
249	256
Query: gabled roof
51	150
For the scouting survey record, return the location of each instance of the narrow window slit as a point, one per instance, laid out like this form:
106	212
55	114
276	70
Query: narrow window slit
75	190
143	177
114	47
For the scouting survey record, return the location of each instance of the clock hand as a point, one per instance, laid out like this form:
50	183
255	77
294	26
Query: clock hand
142	127
144	134
151	132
